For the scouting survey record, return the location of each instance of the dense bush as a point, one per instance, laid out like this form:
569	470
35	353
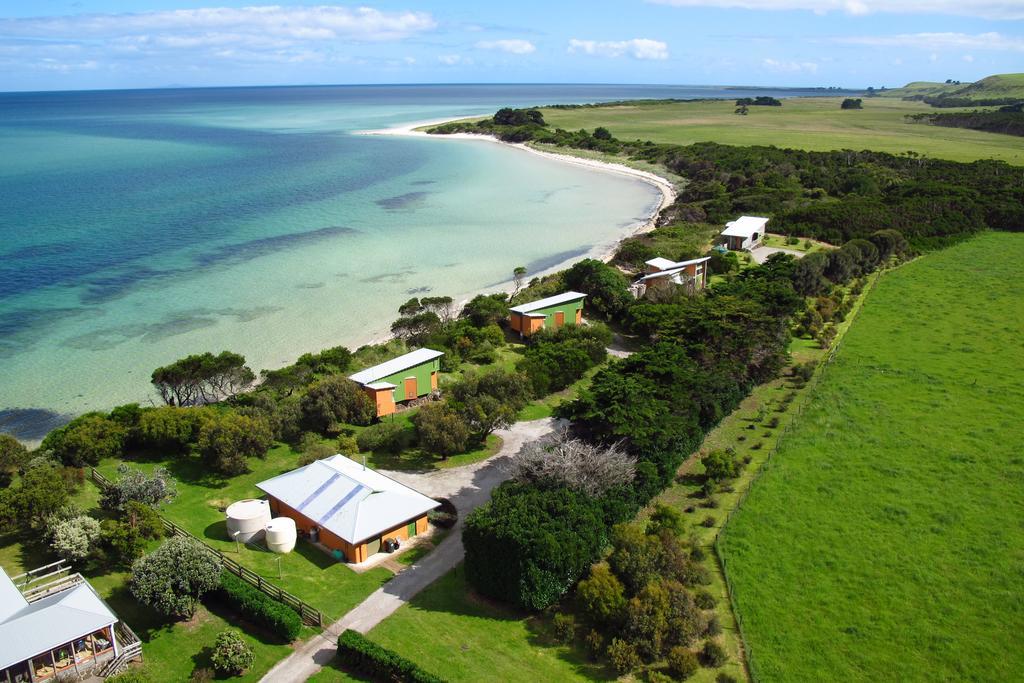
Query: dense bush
335	400
489	400
440	430
606	288
555	359
682	663
12	458
168	428
623	656
528	546
134	485
383	437
41	491
86	440
228	439
564	626
712	655
231	655
602	596
366	657
174	577
74	539
257	607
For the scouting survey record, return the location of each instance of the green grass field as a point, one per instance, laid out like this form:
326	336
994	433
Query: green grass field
814	123
451	633
884	540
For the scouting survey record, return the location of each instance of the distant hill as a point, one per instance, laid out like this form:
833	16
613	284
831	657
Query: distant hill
998	87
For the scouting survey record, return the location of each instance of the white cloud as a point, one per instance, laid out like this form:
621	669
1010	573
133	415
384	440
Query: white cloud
454	60
637	48
940	41
513	46
968	58
789	67
985	9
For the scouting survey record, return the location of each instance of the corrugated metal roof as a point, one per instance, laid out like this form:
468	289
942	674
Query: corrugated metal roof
660	262
50	622
404	362
347	499
674	269
550	301
745	226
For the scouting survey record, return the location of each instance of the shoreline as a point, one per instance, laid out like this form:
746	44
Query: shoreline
664	186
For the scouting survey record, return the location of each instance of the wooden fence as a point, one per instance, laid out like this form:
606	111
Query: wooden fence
310	615
797	412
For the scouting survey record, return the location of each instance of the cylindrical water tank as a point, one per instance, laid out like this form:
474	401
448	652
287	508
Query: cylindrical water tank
281	534
247	519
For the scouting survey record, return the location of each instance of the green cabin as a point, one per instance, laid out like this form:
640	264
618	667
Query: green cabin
400	379
553	312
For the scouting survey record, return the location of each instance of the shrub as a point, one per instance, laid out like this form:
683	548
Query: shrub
719	466
773	423
440	430
658	677
174	577
708	522
231	654
137	675
335	400
601	596
202	675
712	655
682	663
704	600
313	448
757	446
565	627
384	437
576	464
122	543
169	428
379	663
86	440
229	439
714	626
623	656
73	539
725	678
134	486
595	644
258	607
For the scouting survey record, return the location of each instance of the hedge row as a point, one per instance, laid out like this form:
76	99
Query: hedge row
370	659
259	607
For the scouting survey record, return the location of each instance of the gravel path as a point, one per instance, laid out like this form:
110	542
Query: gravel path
467	487
761	254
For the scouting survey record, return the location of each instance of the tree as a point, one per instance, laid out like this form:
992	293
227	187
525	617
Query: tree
518	275
889	243
440	430
12	458
202	378
606	288
682	663
86	440
486	309
579	465
719	466
488	400
73	539
231	655
134	486
851	103
415	329
334	360
336	400
175	576
41	491
602	133
742	110
623	656
169	428
123	543
809	274
228	439
636	557
602	595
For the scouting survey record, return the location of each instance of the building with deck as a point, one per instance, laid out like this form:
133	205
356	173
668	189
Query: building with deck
400	379
744	233
662	273
551	313
347	507
55	626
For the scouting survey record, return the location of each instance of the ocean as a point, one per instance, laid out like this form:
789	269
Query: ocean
141	226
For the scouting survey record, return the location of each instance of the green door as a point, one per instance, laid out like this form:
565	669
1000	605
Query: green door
412	529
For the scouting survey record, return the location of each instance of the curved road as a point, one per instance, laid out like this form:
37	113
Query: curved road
467	487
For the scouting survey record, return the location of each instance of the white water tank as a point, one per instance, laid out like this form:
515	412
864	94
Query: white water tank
247	519
281	534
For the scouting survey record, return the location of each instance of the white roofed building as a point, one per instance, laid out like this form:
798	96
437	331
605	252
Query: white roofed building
54	625
746	232
662	273
347	507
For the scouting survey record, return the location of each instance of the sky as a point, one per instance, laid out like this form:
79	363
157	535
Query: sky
97	44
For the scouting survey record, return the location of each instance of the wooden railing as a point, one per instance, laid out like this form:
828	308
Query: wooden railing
310	615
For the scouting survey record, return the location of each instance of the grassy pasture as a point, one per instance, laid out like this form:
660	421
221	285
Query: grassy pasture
812	123
884	542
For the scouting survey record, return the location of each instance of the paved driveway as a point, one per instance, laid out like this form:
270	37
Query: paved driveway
467	487
761	254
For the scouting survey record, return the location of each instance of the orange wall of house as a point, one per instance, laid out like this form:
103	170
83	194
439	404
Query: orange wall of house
384	399
353	553
515	322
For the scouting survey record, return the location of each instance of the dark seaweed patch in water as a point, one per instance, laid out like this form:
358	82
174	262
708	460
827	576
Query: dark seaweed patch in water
38	250
21	328
179	323
247	251
310	285
423	182
418	290
120	282
400	276
30	424
403	202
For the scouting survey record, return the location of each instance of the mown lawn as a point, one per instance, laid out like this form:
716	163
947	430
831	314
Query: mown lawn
884	540
450	632
308	573
812	123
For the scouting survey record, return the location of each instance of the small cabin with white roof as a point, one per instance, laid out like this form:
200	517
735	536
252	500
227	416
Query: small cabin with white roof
405	378
744	233
661	273
347	507
553	312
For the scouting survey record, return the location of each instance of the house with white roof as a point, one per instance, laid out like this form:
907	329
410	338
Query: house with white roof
55	628
405	378
553	312
662	273
746	232
348	507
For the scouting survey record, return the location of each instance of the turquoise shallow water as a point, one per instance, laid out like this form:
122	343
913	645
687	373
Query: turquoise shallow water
142	226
